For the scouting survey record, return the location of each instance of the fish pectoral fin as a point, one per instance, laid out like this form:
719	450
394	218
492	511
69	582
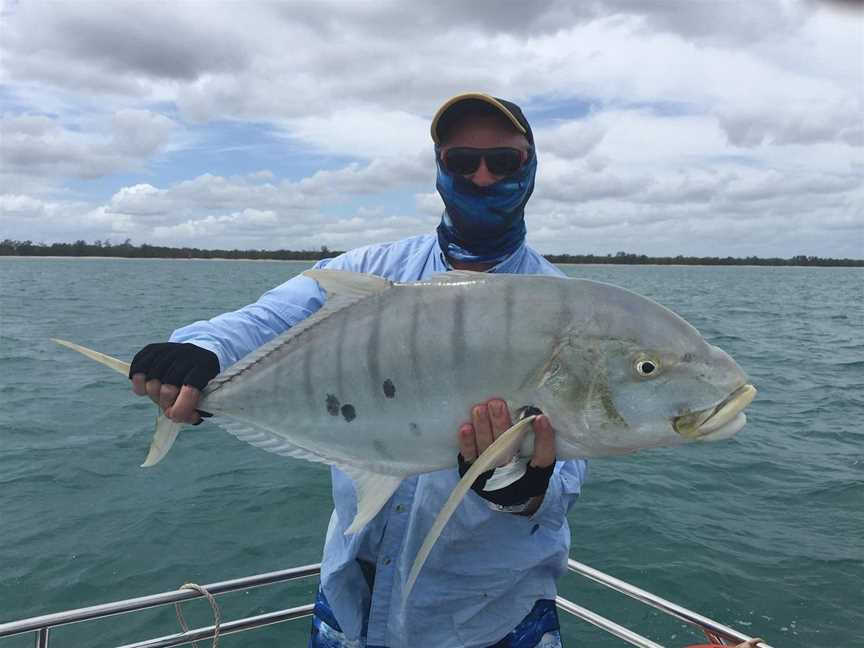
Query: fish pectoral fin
373	490
344	283
503	447
164	437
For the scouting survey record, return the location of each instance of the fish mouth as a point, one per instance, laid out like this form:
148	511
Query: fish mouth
699	424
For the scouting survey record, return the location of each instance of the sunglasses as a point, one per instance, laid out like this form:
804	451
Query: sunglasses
501	161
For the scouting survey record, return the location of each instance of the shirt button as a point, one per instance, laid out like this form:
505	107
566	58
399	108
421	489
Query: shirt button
386	561
399	508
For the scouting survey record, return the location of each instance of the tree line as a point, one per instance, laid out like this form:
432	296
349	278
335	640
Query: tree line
126	249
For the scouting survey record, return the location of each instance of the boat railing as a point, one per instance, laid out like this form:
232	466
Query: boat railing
42	626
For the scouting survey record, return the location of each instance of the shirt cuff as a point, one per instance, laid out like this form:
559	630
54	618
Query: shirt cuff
558	499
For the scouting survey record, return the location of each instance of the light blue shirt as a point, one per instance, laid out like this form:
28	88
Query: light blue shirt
488	568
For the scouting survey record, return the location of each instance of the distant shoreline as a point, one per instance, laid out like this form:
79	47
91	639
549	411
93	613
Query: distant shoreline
106	250
131	258
601	261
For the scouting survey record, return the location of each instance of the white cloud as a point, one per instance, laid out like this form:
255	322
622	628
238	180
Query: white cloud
364	132
140	133
44	146
658	124
570	139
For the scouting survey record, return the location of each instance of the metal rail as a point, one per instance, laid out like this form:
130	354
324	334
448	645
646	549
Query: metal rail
183	638
49	621
661	604
605	624
42	625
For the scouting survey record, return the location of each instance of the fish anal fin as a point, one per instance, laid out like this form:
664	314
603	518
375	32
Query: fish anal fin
373	490
501	450
164	437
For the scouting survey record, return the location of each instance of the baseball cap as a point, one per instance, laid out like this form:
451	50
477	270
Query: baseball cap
455	107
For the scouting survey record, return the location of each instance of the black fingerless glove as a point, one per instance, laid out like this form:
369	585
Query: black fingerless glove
533	483
175	363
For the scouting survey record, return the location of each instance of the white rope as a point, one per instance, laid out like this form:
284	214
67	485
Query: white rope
217	617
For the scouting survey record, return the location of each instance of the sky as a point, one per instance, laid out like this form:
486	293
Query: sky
694	127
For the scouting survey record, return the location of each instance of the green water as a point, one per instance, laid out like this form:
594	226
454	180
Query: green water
764	532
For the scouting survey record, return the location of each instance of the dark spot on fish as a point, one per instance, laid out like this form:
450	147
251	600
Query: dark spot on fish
415	429
349	413
534	529
332	405
389	389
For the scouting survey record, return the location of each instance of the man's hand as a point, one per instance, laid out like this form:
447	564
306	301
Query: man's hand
172	375
490	420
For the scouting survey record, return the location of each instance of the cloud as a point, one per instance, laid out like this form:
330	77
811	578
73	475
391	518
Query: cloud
825	123
570	139
364	132
180	44
657	124
44	146
140	133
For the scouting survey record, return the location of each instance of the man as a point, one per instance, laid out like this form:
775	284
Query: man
490	580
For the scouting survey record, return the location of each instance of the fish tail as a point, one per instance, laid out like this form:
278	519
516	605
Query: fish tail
115	364
166	429
163	438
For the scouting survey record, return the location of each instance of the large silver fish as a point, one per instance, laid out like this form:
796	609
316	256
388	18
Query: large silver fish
378	380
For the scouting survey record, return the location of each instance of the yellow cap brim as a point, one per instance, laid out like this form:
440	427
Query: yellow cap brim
476	96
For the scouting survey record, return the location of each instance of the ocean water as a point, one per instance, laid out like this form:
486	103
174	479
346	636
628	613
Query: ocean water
764	532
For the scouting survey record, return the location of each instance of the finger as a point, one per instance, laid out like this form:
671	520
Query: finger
467	444
185	407
153	387
544	443
499	413
139	382
482	427
167	396
144	358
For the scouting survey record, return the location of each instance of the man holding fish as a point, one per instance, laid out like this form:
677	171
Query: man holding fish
491	579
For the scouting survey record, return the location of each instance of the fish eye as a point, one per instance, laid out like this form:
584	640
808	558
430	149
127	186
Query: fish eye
646	367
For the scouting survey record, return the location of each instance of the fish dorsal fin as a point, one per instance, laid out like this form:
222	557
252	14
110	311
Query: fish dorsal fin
344	283
373	490
457	277
502	448
343	288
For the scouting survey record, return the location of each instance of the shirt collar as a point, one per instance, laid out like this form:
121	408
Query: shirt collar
509	264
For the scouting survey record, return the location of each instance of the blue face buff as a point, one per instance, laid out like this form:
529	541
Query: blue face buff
483	224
